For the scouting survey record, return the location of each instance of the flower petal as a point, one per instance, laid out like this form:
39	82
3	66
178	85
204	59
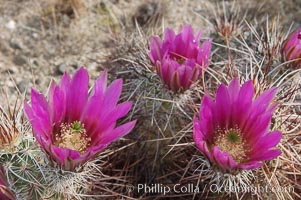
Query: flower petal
155	49
39	111
266	142
120	111
250	165
264	100
77	95
268	155
223	110
233	90
109	137
91	115
223	159
57	104
240	113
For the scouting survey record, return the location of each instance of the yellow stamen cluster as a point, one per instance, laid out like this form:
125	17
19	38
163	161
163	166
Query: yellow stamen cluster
180	60
73	136
231	142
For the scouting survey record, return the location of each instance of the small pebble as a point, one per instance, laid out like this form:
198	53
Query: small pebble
20	60
13	70
15	45
61	68
11	25
74	66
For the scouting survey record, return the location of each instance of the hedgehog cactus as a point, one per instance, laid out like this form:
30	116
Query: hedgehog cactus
291	49
179	59
79	127
233	131
71	127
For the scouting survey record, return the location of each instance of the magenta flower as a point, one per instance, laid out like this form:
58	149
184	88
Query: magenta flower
178	59
5	193
233	131
73	127
291	49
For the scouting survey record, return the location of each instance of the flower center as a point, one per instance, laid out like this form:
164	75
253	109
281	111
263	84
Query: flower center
73	136
177	57
180	60
231	142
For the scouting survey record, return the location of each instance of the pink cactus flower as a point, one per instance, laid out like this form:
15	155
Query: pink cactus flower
73	126
178	59
233	130
5	193
291	49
